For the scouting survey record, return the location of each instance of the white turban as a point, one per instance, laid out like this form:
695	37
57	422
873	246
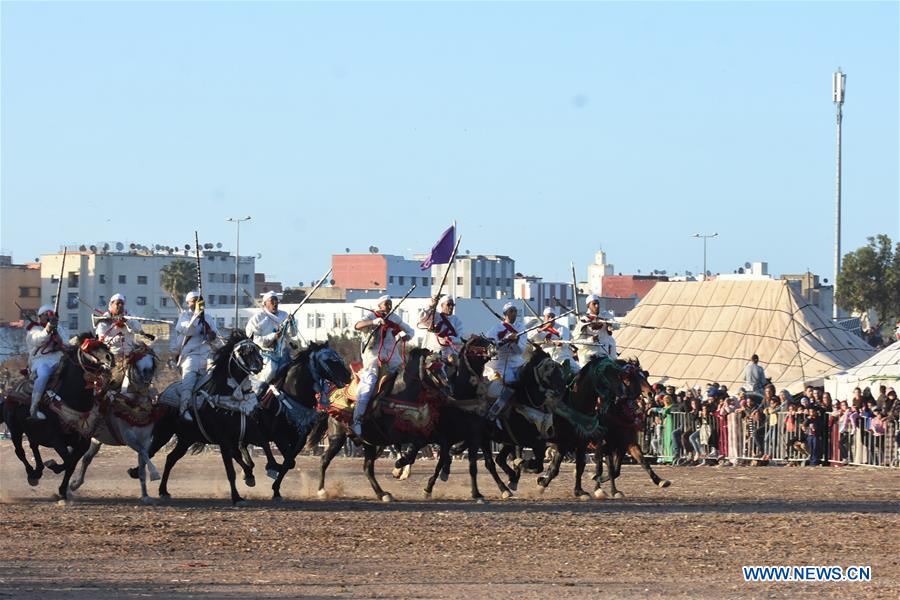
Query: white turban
508	306
116	297
44	309
444	299
593	298
269	294
384	298
192	295
549	311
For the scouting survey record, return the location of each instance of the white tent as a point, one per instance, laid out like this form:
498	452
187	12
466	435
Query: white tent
881	369
694	333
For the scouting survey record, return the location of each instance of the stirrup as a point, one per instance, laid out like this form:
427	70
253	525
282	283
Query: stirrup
37	416
186	415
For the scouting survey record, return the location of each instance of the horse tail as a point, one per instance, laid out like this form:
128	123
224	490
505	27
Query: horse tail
197	448
318	432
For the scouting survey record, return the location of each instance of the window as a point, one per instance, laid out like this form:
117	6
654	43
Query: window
54	279
310	320
102	300
29	292
212	299
390	279
141	300
72	300
432	281
341	320
73	279
142	279
231	278
223	299
478	281
211	277
497	281
245	278
163	302
123	279
73	322
508	281
459	281
402	280
102	278
425	280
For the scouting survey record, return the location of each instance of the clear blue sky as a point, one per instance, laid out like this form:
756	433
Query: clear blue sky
546	130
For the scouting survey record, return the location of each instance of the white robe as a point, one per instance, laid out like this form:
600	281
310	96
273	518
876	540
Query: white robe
509	357
118	333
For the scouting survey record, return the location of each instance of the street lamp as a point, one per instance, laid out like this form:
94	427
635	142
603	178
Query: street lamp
237	261
838	88
705	237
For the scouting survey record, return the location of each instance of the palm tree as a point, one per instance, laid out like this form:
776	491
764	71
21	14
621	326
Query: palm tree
178	278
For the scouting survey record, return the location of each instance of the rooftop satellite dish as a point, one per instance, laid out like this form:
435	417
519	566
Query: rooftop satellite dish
132	246
374	249
94	249
105	247
467	251
331	282
258	255
187	246
747	265
301	284
218	244
82	248
120	246
207	246
347	250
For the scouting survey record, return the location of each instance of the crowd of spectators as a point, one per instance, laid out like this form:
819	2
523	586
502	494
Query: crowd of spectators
714	426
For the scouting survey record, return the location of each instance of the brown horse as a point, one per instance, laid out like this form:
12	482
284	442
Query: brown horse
622	424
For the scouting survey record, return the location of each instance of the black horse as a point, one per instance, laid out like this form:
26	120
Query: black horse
84	374
424	383
621	424
462	423
286	421
541	383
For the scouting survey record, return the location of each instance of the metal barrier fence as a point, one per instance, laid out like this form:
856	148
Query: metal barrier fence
677	437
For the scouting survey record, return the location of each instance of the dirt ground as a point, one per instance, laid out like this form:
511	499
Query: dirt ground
688	541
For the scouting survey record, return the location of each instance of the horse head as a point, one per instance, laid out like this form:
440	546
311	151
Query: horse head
237	358
476	352
433	373
542	380
92	355
327	365
142	364
635	380
247	357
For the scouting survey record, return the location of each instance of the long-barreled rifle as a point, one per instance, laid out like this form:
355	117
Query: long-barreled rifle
287	321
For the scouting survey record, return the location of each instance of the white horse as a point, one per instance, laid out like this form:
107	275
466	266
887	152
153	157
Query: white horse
128	421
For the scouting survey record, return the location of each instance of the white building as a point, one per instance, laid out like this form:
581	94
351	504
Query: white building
477	276
94	275
596	272
540	294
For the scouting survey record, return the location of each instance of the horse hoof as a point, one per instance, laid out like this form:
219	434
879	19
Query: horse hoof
33	481
479	500
155	476
250	481
618	495
600	494
272	473
506	495
387	498
165	496
445	475
74	485
133	473
583	496
396	472
543	482
405	472
664	483
240	503
322	493
513	485
426	495
518	462
277	499
148	501
62	502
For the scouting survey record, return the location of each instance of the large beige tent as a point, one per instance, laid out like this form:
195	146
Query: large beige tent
695	333
881	369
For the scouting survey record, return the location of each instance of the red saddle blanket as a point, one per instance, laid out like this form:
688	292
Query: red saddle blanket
137	412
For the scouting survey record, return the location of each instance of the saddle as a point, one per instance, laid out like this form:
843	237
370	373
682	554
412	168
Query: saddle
342	400
136	411
417	417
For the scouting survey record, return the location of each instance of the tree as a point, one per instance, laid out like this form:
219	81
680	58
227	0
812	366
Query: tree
178	278
870	279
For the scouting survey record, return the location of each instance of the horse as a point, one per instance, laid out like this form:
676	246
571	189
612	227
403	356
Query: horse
462	423
621	425
541	383
83	375
426	384
286	421
128	420
577	418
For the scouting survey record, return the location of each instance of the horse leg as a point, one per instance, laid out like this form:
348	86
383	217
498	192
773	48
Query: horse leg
635	451
580	462
70	461
512	475
371	453
289	462
402	466
335	444
599	457
245	460
273	467
33	474
429	486
536	464
473	470
491	466
229	455
552	469
78	480
613	460
173	457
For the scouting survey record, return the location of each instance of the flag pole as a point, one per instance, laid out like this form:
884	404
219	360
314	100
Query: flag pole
456	235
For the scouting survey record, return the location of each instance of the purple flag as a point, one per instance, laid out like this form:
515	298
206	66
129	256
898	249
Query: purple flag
442	250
